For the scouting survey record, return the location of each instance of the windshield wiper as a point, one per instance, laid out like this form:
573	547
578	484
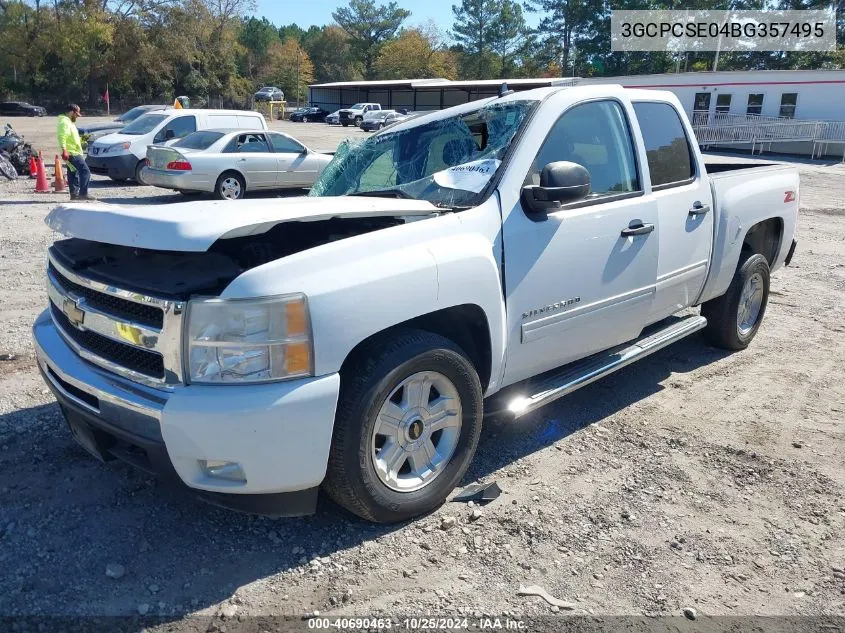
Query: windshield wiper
385	193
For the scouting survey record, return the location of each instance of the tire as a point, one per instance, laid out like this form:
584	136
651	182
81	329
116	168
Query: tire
305	119
345	124
358	121
185	192
734	318
7	169
374	382
230	186
138	177
116	179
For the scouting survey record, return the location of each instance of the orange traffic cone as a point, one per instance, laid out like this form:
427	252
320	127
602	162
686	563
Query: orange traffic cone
33	168
59	181
41	185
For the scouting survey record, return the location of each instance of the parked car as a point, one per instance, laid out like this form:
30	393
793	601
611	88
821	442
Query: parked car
21	108
93	131
269	93
308	114
265	348
122	155
355	114
333	118
231	162
378	119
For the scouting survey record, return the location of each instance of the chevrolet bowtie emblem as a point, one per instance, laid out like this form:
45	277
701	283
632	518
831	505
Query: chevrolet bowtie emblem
73	312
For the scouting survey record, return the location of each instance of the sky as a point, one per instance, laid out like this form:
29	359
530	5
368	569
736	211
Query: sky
319	12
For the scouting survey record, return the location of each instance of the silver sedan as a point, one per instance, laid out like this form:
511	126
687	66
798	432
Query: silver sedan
229	163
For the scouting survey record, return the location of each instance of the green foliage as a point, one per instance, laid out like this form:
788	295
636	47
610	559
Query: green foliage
218	53
369	27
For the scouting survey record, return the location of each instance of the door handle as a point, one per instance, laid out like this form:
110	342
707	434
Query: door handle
242	160
697	208
640	229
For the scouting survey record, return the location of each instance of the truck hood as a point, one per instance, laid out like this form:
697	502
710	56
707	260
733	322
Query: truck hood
195	226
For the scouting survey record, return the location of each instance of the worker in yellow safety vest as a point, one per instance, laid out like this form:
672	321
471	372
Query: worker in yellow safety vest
78	174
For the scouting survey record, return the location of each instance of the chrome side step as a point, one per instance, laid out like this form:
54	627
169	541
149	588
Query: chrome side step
572	377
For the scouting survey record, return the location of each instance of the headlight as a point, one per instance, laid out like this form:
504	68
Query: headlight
116	147
248	340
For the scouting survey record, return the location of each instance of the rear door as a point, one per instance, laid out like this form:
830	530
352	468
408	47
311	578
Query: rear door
255	159
297	168
684	203
580	279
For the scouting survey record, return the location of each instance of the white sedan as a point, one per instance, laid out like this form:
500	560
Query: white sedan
229	163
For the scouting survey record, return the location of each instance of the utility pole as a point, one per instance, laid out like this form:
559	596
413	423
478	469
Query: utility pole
298	57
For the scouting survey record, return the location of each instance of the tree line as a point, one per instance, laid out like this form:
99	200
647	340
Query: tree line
218	53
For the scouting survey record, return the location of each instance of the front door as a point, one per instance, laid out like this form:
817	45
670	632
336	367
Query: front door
701	109
255	160
581	279
684	204
297	168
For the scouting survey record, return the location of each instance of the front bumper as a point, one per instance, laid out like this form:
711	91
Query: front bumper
279	433
122	166
179	180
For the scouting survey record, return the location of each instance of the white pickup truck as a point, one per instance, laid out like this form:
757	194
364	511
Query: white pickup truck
494	256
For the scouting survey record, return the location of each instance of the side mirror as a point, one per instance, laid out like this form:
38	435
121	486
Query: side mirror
560	182
169	134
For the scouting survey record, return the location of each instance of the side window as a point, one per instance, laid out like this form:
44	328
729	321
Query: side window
251	143
177	128
755	104
788	101
283	144
667	147
723	104
596	136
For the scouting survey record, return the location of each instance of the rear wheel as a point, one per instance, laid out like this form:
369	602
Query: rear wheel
407	426
116	179
139	178
734	318
345	124
230	186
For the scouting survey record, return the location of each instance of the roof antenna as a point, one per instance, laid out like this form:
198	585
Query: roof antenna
503	90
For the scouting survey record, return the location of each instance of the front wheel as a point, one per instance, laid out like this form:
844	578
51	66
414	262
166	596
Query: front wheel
358	121
407	426
139	178
734	318
7	169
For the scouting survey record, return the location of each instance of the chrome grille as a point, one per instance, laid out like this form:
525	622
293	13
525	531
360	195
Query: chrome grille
131	334
132	358
121	308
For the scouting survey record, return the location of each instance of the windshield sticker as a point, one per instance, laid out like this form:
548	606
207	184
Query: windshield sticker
472	176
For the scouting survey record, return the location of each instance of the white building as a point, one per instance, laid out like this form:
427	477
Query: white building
799	94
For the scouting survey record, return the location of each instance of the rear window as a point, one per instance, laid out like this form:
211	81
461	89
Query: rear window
144	124
199	140
667	148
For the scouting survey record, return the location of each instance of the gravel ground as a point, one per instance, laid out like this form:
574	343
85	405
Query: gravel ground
691	480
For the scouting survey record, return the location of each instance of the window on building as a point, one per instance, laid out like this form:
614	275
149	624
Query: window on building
723	104
788	101
755	104
667	147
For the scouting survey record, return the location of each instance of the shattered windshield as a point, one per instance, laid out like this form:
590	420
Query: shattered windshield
447	162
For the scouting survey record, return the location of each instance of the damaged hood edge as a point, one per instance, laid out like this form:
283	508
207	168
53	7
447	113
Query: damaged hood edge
195	226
